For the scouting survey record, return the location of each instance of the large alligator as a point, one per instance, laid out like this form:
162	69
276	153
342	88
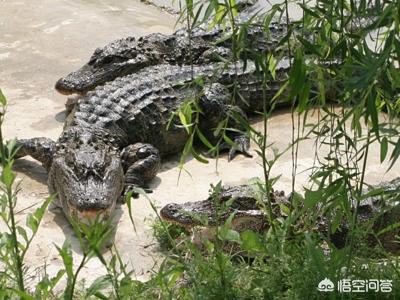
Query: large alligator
379	212
129	55
116	134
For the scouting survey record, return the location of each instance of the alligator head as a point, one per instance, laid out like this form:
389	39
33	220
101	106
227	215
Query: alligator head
88	178
119	58
216	209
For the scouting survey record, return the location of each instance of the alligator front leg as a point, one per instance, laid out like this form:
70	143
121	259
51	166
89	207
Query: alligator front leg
41	149
141	163
216	108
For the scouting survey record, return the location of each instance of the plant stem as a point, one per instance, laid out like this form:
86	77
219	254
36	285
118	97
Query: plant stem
70	294
10	196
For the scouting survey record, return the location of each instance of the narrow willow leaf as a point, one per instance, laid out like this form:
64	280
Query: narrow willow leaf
395	154
397	48
373	112
198	157
304	97
3	99
384	148
297	74
337	221
184	122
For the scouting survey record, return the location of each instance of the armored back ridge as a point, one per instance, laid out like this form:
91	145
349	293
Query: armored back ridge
114	138
129	55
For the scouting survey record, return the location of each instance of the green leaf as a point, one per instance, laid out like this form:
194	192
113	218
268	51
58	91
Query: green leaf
198	157
3	99
203	139
231	235
66	255
182	118
311	198
98	285
284	209
297	74
128	201
22	232
32	223
337	220
373	112
384	148
232	4
304	97
397	48
395	154
22	295
389	228
33	219
8	176
272	63
251	241
310	47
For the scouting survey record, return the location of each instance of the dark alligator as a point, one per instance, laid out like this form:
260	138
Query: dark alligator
379	212
129	55
116	134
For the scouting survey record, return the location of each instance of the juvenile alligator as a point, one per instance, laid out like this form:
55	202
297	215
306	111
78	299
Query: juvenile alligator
116	134
251	214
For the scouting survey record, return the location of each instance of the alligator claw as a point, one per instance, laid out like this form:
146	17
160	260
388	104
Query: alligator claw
242	145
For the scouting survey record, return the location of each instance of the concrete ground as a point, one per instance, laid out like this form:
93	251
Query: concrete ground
43	40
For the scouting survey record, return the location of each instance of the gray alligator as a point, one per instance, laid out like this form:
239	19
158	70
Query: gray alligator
378	212
129	55
116	134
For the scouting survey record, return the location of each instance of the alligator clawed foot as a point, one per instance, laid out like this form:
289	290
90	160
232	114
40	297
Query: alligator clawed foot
242	145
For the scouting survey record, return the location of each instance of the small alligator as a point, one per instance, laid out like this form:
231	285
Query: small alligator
250	214
129	55
114	137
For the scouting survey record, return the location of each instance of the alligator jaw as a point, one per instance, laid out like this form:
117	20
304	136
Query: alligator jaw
79	81
173	213
90	216
90	75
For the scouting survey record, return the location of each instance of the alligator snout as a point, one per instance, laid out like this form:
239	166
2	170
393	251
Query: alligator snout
87	210
65	86
92	203
170	211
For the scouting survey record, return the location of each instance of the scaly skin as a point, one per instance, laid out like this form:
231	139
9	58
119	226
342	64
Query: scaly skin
129	55
250	215
211	212
114	137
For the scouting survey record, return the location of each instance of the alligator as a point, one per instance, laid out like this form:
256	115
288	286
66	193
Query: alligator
249	213
129	55
114	138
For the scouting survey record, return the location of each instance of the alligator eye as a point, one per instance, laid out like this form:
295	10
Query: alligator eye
107	59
